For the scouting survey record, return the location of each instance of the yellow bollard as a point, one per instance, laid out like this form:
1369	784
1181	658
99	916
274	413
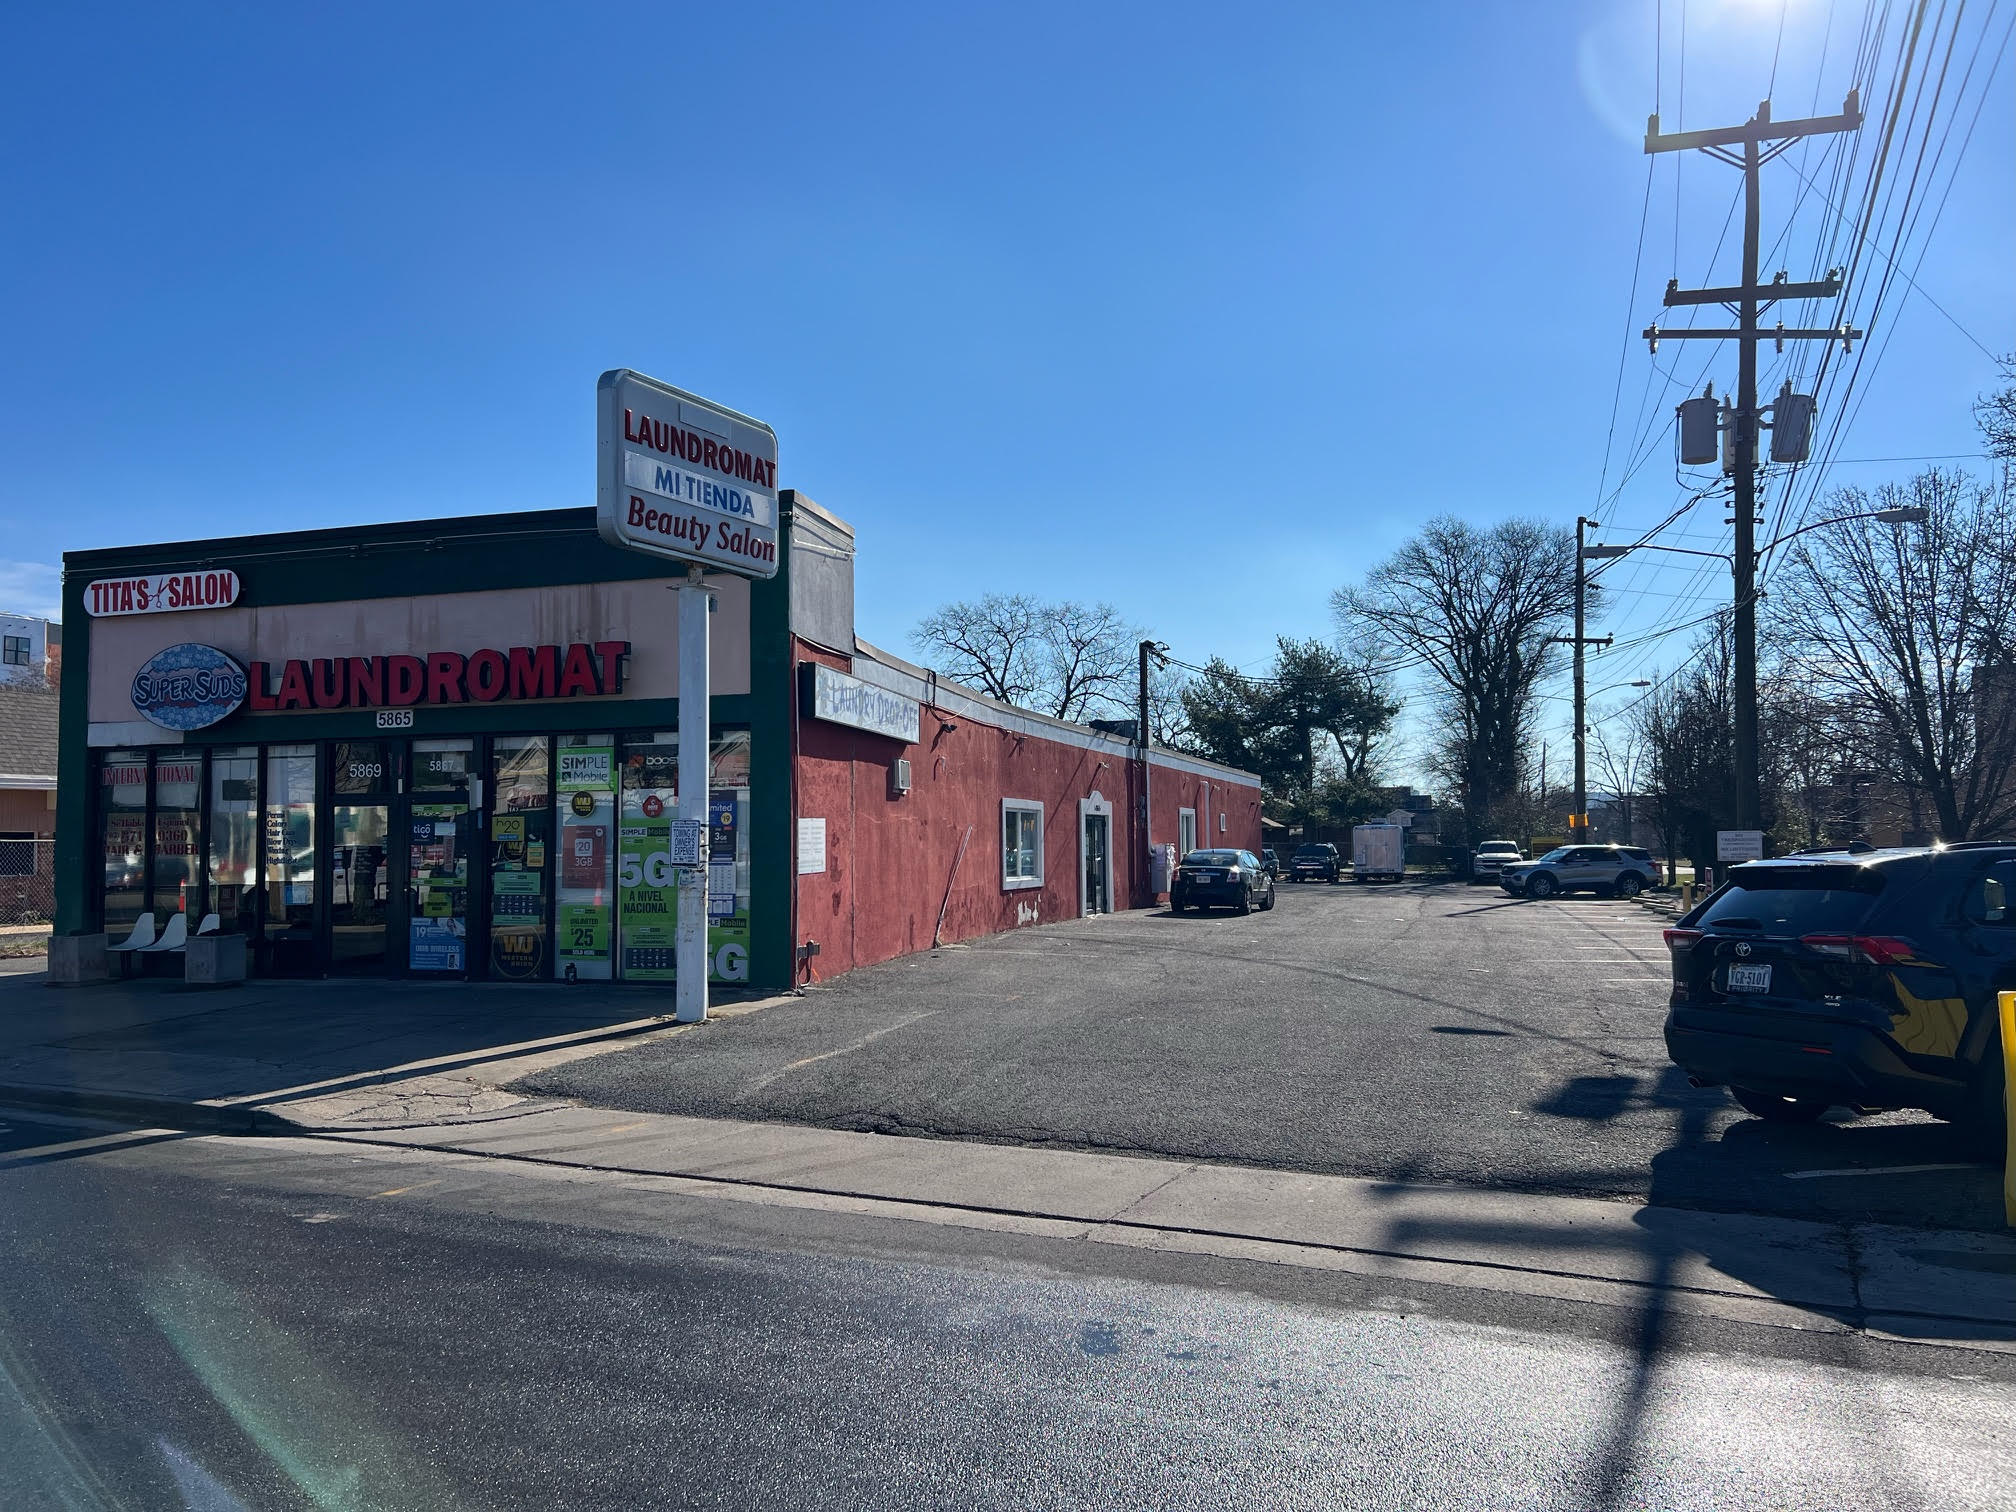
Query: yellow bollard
2009	1106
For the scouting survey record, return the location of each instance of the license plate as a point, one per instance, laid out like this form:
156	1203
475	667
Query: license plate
1749	978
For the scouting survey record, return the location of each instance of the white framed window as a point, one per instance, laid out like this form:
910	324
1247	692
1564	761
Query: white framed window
1186	831
14	650
1021	843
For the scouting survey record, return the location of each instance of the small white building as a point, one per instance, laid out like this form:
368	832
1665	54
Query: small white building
25	640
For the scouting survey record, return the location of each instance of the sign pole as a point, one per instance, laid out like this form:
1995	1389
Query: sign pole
696	739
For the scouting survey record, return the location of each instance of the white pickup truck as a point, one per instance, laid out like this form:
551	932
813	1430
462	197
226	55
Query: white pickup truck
1492	857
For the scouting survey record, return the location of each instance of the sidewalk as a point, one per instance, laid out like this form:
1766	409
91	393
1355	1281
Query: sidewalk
416	1068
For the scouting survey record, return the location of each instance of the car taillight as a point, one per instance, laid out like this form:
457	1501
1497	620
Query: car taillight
1879	950
1682	939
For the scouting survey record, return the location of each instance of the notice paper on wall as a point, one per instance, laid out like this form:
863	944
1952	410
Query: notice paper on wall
811	847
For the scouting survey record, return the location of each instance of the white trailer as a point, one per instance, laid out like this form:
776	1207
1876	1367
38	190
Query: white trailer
1378	853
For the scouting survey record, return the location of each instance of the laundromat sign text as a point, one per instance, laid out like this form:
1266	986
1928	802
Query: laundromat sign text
583	670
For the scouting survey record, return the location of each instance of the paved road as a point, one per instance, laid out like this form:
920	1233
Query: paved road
1431	1032
221	1325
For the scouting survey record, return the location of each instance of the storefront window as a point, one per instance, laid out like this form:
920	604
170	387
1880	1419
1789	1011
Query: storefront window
585	786
441	765
234	836
122	837
647	889
728	858
521	825
290	855
178	789
361	766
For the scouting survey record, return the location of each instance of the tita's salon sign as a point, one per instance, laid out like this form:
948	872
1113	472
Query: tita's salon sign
160	593
585	669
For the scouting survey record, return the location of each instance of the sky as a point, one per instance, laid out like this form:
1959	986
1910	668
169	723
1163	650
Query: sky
1200	311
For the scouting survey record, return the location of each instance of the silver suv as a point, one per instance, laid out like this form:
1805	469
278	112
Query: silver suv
1623	871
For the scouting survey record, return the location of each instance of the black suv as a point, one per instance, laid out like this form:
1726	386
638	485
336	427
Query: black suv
1315	863
1834	978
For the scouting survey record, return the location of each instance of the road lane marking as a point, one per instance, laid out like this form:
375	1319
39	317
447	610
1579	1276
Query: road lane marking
402	1191
1903	1170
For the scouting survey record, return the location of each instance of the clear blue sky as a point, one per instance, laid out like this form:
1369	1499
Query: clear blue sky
1196	309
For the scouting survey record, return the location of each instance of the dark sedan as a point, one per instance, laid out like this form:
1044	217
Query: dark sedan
1221	879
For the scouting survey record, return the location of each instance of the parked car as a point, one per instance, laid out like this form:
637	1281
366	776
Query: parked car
1221	879
1271	861
1378	853
1492	855
1868	980
1621	870
1315	863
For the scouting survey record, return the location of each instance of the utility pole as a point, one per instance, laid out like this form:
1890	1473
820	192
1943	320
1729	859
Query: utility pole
1143	843
1578	816
1746	301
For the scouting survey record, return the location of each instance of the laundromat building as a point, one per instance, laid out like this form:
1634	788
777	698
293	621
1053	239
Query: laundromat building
449	748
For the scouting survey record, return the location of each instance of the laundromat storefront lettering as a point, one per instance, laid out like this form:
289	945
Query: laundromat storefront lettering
585	669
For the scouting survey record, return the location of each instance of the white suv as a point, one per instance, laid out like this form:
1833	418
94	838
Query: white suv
1492	856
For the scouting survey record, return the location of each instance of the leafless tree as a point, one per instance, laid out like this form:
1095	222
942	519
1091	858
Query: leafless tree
1068	660
1089	660
1914	627
1168	716
1477	608
1619	746
1996	413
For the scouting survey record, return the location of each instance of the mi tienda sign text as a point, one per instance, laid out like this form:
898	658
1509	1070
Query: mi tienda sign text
582	670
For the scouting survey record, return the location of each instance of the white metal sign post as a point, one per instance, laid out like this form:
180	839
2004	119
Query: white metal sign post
696	738
680	477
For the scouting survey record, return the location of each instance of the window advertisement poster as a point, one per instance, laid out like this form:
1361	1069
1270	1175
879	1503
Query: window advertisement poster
647	886
438	858
585	783
728	924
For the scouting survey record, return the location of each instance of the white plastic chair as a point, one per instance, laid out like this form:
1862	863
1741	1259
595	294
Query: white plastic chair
142	936
211	924
174	937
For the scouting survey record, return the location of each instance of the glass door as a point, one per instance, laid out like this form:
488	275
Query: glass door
521	835
359	886
439	847
1095	864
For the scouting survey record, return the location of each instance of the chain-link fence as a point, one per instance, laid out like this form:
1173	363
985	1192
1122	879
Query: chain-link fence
27	882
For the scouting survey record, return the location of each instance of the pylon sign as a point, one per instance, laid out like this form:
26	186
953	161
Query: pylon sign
682	477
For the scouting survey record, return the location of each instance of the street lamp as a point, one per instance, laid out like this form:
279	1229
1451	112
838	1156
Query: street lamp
1902	514
1744	569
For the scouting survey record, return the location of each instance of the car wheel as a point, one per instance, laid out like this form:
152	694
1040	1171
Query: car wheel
1245	903
1541	886
1268	906
1774	1108
1630	885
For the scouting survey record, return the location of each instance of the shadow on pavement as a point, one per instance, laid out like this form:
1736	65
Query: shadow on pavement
157	1039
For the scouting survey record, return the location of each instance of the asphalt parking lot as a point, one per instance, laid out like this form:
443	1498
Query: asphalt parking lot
1410	1032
